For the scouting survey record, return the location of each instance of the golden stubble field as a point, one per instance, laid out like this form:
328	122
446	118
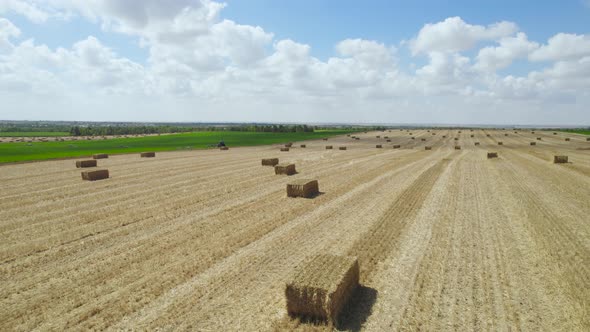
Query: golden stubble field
206	240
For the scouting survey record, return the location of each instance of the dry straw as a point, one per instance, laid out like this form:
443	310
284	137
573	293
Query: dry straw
560	159
321	287
98	174
270	161
100	156
86	163
285	169
148	154
492	155
303	188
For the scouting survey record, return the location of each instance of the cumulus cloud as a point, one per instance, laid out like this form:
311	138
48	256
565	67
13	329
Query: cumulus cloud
563	46
510	48
454	35
217	65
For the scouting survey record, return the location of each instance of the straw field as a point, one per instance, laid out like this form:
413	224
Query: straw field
205	240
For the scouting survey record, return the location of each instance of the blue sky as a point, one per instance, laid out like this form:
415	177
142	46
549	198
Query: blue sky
296	61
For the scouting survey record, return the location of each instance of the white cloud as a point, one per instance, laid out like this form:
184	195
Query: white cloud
511	48
454	35
563	46
28	9
205	68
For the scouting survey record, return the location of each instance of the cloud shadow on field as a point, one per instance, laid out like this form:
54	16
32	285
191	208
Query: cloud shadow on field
358	310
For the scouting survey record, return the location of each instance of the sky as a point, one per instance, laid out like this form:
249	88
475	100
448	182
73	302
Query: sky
306	61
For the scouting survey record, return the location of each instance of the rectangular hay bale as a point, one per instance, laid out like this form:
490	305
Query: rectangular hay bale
285	149
322	286
303	146
86	163
533	143
285	169
342	148
560	159
427	148
492	155
397	146
378	146
98	174
476	143
224	148
270	161
147	154
457	147
567	139
303	188
328	147
100	156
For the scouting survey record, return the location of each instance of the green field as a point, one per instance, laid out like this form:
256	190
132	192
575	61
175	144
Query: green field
34	134
13	152
579	131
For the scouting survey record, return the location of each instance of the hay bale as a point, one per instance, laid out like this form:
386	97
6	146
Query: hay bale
587	139
86	163
270	161
285	169
476	143
457	147
532	132
388	141
147	154
472	135
288	145
567	139
444	136
456	138
224	148
378	146
284	149
413	137
538	138
560	159
377	136
342	148
423	139
533	143
500	143
428	148
492	155
303	188
505	134
98	174
397	146
303	146
357	138
321	287
100	156
325	139
488	135
328	147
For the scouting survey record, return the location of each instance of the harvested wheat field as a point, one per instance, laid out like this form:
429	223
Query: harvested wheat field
208	241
